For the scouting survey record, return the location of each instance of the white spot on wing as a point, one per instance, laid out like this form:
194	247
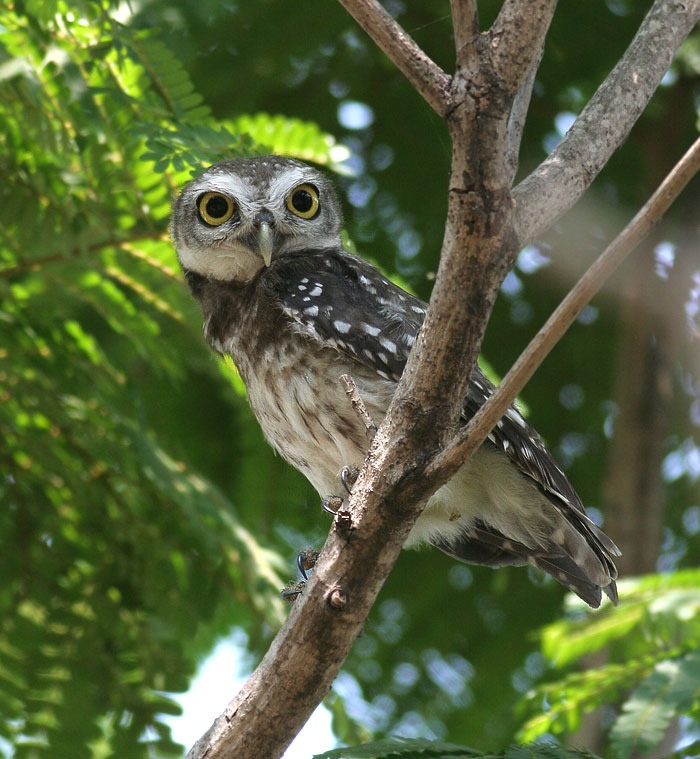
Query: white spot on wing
343	327
515	416
316	291
311	310
370	330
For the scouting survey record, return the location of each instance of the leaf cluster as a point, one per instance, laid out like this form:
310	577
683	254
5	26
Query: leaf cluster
120	560
652	665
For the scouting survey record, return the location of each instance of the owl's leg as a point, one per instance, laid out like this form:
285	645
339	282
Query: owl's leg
307	557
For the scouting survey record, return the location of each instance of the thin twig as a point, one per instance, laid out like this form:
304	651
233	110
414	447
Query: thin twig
420	70
474	434
358	404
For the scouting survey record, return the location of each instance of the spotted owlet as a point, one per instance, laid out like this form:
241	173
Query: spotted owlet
259	243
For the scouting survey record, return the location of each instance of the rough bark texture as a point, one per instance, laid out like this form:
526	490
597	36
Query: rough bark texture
479	247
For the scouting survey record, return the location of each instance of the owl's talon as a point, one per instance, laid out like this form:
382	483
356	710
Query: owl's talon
306	560
348	476
332	504
291	590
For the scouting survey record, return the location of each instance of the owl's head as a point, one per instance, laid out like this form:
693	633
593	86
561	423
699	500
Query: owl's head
241	214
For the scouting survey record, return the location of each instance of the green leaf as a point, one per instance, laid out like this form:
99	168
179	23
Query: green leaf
673	688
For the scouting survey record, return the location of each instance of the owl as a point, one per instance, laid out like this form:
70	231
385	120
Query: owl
259	243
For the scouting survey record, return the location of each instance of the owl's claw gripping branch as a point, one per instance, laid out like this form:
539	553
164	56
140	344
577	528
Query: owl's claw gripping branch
332	504
306	560
291	590
348	476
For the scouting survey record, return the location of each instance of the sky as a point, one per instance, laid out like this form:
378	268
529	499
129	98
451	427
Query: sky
219	678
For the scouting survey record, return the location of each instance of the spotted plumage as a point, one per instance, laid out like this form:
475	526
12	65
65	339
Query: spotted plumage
258	240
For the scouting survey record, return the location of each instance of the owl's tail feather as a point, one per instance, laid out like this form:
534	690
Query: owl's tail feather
487	547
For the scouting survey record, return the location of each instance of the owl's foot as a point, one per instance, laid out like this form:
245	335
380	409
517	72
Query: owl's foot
348	476
333	503
306	560
291	590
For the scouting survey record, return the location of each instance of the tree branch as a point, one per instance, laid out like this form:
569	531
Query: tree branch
606	120
516	40
422	72
358	404
465	22
474	434
516	122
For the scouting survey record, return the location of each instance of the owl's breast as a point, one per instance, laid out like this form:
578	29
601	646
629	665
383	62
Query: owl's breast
293	384
295	392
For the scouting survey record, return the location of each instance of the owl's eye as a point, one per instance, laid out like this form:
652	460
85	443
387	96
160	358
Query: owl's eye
215	208
303	201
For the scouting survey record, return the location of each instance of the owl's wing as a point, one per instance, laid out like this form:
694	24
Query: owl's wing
345	303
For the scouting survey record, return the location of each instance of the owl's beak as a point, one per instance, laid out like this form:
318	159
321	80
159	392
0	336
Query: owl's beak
263	221
265	242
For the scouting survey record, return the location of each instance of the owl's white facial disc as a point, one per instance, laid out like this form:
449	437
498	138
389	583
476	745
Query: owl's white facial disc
239	215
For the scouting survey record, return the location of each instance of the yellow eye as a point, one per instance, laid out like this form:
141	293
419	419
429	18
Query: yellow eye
215	208
303	201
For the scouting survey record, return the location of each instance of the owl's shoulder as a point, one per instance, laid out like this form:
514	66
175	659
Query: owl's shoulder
345	303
